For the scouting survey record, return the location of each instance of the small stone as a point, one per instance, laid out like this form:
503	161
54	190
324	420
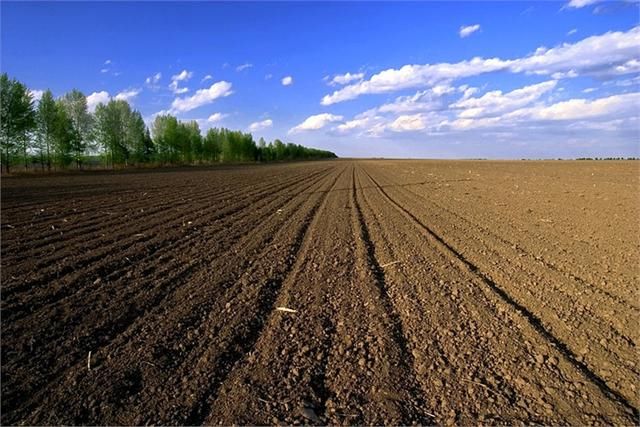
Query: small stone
362	362
539	359
310	414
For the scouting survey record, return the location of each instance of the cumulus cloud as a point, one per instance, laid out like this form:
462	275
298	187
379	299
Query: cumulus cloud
96	98
358	123
596	55
343	79
410	76
127	95
183	76
424	100
264	124
201	97
286	81
216	117
412	122
496	103
615	107
244	66
608	54
575	109
466	31
316	122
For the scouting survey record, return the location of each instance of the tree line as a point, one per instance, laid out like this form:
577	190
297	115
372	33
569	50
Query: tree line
61	133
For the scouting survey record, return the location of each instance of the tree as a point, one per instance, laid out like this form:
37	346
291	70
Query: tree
194	146
75	104
138	139
17	118
112	130
46	118
166	138
212	145
64	136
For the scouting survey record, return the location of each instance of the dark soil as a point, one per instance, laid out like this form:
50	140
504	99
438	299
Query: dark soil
425	292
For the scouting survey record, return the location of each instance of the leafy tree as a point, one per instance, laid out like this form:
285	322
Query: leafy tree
112	130
17	118
212	145
138	140
64	137
75	104
165	137
46	122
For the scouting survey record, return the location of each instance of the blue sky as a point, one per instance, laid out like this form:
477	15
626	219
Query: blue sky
432	79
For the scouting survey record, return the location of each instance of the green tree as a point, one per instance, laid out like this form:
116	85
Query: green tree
46	121
138	139
212	145
166	138
112	130
17	118
64	137
75	104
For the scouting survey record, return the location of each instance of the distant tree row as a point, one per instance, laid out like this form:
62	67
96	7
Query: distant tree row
608	158
62	133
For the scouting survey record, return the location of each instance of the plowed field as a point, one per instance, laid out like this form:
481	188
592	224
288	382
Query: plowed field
431	292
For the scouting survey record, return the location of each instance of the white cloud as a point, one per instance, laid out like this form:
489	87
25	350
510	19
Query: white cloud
572	31
612	53
107	62
243	66
597	55
178	90
207	77
316	122
127	95
201	97
589	90
575	109
216	117
286	81
36	94
407	123
343	79
496	103
577	4
466	31
183	76
615	107
96	98
153	80
264	124
104	70
268	76
421	101
357	123
410	76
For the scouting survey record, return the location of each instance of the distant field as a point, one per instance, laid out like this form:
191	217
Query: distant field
446	292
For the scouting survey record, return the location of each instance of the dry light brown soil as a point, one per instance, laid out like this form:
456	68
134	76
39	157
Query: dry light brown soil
428	292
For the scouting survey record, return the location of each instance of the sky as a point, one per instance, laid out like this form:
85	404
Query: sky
424	80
